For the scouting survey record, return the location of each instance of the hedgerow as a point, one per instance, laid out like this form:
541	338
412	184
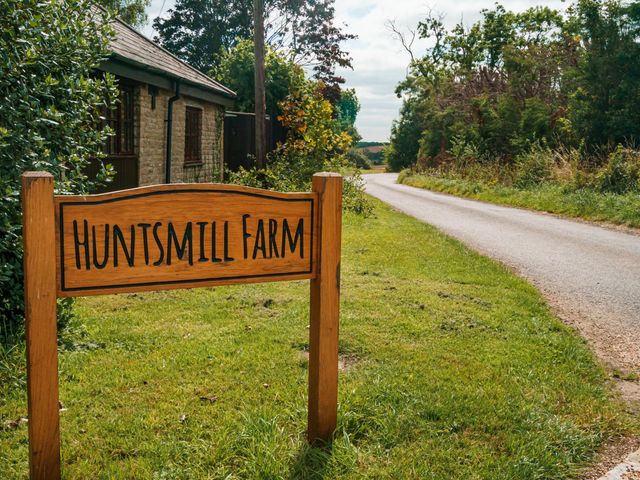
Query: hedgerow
51	100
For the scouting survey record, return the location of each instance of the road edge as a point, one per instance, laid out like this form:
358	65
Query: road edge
630	466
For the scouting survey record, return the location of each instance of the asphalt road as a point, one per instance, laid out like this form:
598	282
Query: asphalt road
589	274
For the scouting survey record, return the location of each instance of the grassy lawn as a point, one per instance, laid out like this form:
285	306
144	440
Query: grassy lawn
454	369
584	203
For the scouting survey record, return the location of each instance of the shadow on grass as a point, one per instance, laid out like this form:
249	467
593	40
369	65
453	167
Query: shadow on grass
311	462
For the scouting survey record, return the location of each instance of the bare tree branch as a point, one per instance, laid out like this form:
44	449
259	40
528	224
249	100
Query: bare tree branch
406	38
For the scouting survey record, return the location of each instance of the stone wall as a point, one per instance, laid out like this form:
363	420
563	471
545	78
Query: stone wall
152	135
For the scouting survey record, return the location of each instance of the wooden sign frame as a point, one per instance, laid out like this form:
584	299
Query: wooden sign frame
46	260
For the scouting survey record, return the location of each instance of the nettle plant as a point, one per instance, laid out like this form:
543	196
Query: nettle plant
51	104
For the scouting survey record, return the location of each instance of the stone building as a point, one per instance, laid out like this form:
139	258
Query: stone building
169	121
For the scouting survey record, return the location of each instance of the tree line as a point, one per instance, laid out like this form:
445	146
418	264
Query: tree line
515	82
203	32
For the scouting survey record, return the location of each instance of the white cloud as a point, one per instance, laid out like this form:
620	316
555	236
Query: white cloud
379	62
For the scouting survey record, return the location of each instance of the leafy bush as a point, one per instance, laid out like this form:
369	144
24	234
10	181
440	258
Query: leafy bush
353	196
402	151
464	152
533	167
50	105
621	174
358	159
315	143
403	175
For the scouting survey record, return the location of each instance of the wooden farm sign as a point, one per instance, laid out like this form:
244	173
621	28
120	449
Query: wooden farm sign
168	237
188	235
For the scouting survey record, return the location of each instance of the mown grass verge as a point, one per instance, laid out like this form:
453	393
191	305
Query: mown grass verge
582	203
455	368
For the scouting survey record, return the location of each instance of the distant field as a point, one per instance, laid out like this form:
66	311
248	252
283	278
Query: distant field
373	151
376	149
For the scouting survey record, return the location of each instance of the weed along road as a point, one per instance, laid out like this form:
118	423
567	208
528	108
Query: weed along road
589	274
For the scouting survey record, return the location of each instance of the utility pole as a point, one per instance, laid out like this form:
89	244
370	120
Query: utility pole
261	110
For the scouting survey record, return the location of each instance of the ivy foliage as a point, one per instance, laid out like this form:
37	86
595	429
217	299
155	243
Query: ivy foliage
51	99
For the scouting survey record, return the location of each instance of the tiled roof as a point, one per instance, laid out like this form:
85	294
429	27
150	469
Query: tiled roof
136	48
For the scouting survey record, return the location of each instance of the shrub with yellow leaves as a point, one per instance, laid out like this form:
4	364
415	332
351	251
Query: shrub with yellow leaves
315	142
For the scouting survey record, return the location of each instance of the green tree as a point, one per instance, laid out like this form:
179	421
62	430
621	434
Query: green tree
514	81
403	148
605	101
50	106
131	11
496	87
201	31
236	71
347	108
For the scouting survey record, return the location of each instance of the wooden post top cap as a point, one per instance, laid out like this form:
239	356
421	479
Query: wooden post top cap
37	175
327	174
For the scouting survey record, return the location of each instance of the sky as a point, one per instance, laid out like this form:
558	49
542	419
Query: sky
379	61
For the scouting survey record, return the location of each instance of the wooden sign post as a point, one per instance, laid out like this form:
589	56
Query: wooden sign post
168	237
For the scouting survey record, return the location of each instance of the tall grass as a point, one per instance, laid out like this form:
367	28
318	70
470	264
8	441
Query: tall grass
602	185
